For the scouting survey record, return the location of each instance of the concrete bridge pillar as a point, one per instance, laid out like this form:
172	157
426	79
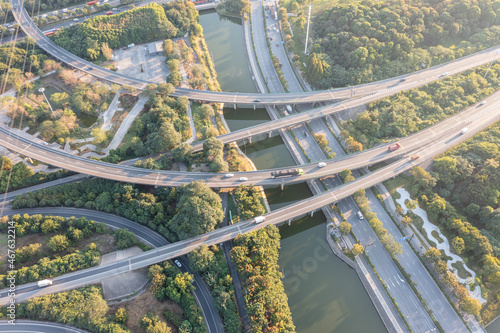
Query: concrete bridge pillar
254	106
314	103
312	213
282	186
269	134
234	106
289	222
249	139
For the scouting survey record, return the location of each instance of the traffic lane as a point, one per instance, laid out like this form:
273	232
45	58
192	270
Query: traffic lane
8	196
409	305
441	308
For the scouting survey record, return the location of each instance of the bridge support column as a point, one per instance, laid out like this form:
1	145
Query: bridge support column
282	186
254	106
312	213
249	139
269	134
314	103
235	106
289	222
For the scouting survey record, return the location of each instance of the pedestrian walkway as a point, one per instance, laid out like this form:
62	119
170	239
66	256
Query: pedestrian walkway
127	122
107	116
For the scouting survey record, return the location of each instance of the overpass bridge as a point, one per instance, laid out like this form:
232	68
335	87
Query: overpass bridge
427	138
84	277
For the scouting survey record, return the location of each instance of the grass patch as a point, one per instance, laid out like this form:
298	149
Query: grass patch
394	183
461	271
231	207
436	235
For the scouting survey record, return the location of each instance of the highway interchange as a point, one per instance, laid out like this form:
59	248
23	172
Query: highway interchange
426	144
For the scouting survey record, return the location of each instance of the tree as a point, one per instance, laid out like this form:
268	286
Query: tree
152	324
212	147
125	239
406	221
60	98
99	135
58	243
345	228
357	249
470	305
458	245
5	163
346	176
121	316
199	210
219	165
183	152
201	258
107	52
206	111
433	255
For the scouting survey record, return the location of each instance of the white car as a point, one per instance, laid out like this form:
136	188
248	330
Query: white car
482	103
76	19
178	263
229	175
321	164
243	179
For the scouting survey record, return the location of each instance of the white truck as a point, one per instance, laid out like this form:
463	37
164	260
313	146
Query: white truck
44	283
464	130
260	219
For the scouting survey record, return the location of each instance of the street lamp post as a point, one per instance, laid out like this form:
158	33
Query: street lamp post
50	106
496	53
369	243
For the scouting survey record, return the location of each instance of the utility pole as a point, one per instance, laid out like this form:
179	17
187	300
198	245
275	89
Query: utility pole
50	106
496	53
308	21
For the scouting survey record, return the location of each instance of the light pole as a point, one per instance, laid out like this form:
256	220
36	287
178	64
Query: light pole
307	32
42	91
496	53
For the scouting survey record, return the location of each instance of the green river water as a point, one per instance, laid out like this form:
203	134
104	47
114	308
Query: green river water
324	294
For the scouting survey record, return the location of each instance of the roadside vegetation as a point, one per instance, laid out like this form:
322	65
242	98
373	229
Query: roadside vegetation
209	262
176	213
83	308
19	175
169	283
409	112
256	256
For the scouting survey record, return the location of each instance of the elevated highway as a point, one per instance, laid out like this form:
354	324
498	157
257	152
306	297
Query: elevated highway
76	279
398	83
130	174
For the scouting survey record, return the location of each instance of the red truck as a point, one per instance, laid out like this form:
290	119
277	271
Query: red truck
91	3
394	146
49	33
109	13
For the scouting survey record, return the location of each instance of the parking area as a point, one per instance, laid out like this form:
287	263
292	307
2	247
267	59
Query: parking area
139	62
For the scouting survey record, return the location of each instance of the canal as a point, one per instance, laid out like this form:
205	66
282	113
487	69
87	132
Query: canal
324	294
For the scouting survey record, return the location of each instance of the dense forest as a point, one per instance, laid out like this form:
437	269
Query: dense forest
138	25
408	112
372	40
176	213
34	6
256	256
461	195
